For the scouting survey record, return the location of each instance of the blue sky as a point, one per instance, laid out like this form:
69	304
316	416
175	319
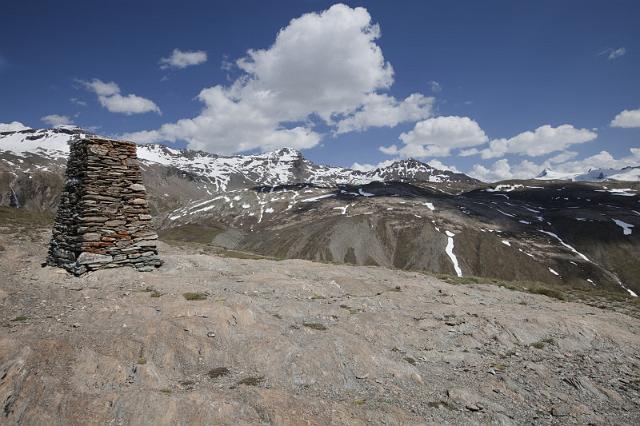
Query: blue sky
498	89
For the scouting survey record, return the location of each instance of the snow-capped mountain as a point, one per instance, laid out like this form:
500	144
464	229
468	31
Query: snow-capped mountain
283	167
628	174
407	215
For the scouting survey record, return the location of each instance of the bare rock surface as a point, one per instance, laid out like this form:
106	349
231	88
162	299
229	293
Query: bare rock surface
220	340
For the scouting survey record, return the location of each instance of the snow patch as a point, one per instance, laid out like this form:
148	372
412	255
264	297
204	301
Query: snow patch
626	227
551	234
365	194
449	251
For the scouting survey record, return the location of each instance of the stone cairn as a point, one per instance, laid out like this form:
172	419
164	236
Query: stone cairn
103	219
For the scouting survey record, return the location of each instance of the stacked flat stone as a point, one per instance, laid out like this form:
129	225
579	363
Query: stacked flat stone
103	219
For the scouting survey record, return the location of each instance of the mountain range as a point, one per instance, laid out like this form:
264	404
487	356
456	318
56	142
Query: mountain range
576	231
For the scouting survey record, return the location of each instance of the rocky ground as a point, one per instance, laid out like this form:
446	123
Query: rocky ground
210	339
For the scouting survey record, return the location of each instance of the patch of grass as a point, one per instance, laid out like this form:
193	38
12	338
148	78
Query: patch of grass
315	325
251	380
499	366
194	296
508	354
214	373
317	297
237	254
166	391
556	294
538	345
191	233
31	219
359	402
525	286
155	293
410	360
20	318
142	360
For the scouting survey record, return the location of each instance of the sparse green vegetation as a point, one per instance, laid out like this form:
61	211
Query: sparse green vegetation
499	367
526	286
27	218
191	233
508	354
410	360
20	318
155	293
142	360
315	325
166	391
194	296
556	294
251	380
218	372
538	345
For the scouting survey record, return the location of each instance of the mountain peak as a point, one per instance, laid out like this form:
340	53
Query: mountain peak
410	162
287	152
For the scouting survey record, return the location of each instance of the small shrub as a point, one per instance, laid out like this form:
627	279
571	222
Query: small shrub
548	292
20	318
142	360
194	296
214	373
538	345
251	380
315	325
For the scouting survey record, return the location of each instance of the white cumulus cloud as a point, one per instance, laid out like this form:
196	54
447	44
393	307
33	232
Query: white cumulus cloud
110	97
381	110
322	66
526	169
616	53
627	118
436	137
182	59
14	126
55	120
366	167
543	140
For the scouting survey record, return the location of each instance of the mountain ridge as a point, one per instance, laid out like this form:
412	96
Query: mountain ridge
280	167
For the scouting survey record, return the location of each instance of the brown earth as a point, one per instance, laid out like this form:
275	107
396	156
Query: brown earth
208	339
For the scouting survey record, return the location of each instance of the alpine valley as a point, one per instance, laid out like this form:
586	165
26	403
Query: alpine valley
578	231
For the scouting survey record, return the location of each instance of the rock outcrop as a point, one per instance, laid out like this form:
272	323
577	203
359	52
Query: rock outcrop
103	219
